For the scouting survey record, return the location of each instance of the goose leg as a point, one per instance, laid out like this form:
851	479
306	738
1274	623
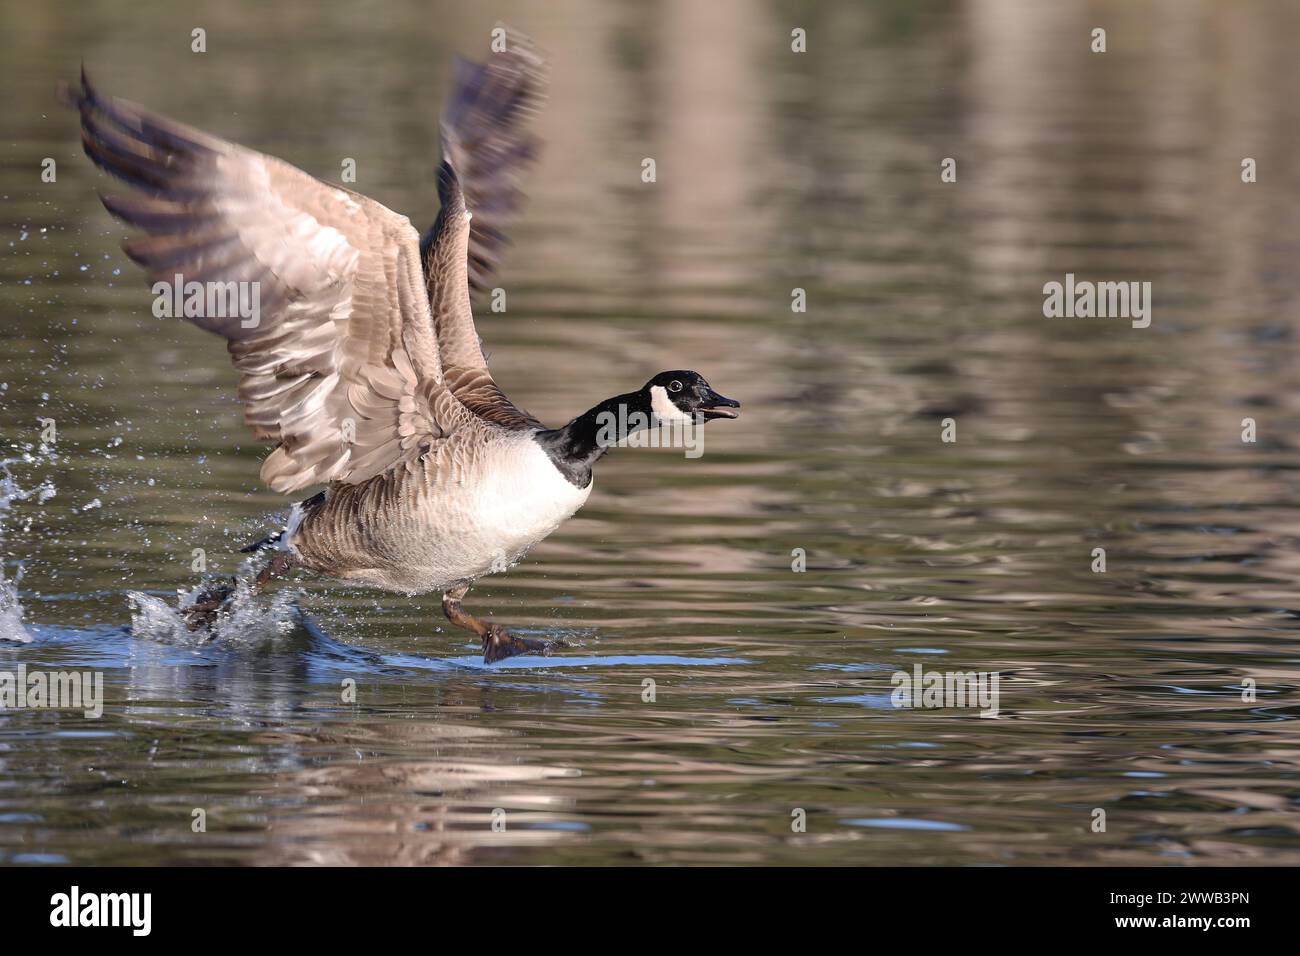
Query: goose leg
207	605
498	643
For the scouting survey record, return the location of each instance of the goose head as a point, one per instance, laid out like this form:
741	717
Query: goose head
679	396
682	395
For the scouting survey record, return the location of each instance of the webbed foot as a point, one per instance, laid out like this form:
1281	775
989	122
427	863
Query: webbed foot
498	644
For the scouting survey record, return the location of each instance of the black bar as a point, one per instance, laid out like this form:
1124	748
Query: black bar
333	905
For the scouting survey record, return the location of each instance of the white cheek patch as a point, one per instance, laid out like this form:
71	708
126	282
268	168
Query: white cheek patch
663	406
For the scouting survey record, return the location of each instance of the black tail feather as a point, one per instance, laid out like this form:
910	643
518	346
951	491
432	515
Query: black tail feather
266	544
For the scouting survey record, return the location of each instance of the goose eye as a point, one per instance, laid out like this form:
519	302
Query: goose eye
675	387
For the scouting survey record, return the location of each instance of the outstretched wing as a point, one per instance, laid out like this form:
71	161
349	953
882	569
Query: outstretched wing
486	143
339	364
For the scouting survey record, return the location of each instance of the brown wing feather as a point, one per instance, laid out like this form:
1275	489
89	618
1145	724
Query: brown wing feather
486	143
339	365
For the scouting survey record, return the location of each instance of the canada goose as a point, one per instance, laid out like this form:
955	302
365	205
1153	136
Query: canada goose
361	363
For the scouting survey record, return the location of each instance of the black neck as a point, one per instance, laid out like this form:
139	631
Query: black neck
581	443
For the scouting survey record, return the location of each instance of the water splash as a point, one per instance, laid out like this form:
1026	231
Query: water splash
246	621
11	610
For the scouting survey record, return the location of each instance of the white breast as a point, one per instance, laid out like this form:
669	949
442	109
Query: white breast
520	498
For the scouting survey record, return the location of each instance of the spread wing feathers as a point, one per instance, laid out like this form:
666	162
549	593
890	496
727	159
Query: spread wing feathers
341	345
401	419
464	367
486	143
487	140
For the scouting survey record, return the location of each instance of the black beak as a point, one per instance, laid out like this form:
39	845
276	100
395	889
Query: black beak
712	405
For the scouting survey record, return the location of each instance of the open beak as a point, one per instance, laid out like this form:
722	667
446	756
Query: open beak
714	406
